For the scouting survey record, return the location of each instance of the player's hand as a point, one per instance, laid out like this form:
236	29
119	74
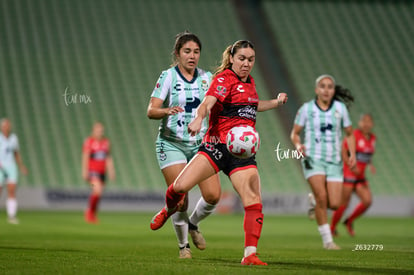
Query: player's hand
301	149
174	110
24	170
372	169
352	162
194	127
282	98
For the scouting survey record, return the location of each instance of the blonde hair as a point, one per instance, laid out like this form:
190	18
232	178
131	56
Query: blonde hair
231	51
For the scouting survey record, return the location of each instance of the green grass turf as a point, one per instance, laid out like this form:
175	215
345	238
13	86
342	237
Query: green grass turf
62	243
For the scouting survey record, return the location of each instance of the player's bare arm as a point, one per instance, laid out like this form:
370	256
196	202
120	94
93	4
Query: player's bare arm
156	111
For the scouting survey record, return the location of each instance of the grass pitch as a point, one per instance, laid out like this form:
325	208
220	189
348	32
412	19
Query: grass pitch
62	243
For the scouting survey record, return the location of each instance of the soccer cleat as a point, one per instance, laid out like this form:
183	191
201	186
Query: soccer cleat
90	217
252	259
185	252
13	220
198	239
160	218
349	228
331	246
312	204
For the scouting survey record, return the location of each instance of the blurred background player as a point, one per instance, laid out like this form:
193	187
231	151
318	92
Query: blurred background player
354	178
323	119
9	160
231	100
96	161
176	96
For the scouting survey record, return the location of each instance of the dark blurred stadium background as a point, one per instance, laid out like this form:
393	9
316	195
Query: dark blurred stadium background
113	52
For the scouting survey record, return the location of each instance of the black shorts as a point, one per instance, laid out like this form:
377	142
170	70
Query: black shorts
100	176
222	159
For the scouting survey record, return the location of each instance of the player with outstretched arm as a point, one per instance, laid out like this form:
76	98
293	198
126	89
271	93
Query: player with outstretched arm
231	101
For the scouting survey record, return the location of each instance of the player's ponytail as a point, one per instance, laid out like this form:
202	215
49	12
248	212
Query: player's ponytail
231	51
225	61
344	95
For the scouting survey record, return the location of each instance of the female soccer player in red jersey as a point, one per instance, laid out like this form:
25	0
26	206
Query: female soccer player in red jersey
354	178
96	160
231	100
174	100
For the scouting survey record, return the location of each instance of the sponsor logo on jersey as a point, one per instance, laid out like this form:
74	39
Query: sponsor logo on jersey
248	112
220	79
204	86
221	90
177	87
240	88
326	127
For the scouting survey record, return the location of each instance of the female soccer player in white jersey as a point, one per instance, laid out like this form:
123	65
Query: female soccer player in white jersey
9	160
176	96
323	119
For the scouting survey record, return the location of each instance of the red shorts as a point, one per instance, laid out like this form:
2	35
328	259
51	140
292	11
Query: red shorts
221	159
96	175
354	182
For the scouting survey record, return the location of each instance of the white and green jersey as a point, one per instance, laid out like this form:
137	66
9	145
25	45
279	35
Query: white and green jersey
323	129
8	146
175	90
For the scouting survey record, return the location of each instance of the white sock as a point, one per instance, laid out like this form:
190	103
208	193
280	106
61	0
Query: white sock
202	210
248	250
180	223
11	205
325	232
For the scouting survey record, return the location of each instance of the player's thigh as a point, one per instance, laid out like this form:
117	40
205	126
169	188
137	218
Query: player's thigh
246	182
347	191
171	172
334	193
196	171
364	193
211	189
317	183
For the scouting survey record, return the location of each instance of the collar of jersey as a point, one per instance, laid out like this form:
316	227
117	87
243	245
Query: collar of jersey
248	78
330	106
194	76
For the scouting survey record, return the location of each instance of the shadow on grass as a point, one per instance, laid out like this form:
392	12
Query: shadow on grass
40	249
295	266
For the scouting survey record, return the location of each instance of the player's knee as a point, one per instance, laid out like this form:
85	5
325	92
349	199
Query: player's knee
212	198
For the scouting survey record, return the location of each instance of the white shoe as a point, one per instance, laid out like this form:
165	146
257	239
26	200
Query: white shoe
198	239
185	253
312	204
13	220
331	246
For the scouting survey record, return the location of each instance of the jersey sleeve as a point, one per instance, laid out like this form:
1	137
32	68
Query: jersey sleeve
346	120
163	86
220	87
300	118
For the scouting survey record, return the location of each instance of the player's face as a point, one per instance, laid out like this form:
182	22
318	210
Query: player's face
188	56
98	130
366	124
325	90
243	62
6	127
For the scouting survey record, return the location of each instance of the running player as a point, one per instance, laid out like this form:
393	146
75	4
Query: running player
231	100
96	160
323	119
354	178
176	96
10	158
